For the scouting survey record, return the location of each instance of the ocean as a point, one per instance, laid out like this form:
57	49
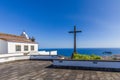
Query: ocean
97	51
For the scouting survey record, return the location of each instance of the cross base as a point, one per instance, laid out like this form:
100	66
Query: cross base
73	54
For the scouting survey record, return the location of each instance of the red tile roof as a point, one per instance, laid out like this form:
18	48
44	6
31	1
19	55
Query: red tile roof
14	38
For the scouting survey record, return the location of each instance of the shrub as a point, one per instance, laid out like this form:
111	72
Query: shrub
86	57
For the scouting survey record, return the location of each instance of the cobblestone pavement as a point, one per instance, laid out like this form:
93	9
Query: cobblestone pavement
36	70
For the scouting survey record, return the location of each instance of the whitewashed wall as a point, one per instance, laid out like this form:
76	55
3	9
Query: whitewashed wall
47	53
44	53
10	55
53	52
12	47
21	56
43	57
3	47
14	58
96	64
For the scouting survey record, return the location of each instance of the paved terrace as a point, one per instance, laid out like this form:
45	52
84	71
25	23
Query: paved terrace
37	70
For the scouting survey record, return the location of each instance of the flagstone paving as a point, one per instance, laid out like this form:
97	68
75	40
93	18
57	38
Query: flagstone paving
37	70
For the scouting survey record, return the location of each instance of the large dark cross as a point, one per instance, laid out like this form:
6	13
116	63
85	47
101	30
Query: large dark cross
74	32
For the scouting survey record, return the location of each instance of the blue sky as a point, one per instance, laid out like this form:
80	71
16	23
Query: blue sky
50	20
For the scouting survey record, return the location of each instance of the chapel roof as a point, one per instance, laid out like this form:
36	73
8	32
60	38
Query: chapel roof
14	38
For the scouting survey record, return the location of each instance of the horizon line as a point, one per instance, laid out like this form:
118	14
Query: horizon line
79	48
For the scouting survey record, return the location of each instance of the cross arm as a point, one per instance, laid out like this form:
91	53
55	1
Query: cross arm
78	31
71	32
75	31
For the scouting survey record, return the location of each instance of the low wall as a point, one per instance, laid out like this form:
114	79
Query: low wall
43	55
87	63
21	56
11	54
46	57
13	58
52	53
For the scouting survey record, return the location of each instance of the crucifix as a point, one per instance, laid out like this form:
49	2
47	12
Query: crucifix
74	32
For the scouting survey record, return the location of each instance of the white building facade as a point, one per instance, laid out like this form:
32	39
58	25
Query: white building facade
16	44
22	47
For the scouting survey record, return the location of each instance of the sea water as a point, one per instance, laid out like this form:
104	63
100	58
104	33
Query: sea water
97	51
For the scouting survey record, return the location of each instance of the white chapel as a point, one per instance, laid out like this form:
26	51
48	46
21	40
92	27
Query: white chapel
10	43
